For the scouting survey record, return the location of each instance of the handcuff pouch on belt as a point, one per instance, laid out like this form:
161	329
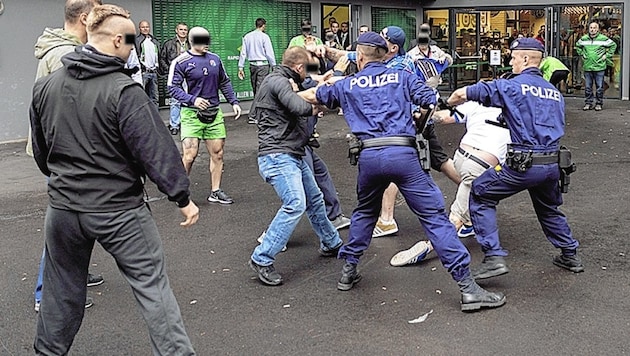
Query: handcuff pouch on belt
566	168
519	161
208	115
354	148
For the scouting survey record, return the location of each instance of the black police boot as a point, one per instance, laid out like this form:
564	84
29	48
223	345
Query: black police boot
573	263
349	277
474	297
266	274
491	266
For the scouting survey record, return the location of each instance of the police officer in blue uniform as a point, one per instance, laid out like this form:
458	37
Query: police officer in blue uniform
533	110
377	104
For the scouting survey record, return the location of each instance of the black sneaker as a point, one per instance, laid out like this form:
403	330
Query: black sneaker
94	280
219	196
88	302
174	130
491	266
482	299
572	263
266	274
333	252
349	277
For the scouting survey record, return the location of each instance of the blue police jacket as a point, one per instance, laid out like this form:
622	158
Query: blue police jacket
377	101
532	108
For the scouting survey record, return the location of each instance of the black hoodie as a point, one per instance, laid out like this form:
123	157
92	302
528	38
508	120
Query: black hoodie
96	134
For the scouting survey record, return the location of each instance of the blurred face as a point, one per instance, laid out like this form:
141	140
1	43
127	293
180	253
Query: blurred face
181	31
144	28
593	29
334	27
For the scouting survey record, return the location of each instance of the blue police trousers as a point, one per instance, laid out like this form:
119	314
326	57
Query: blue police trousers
541	181
378	167
132	238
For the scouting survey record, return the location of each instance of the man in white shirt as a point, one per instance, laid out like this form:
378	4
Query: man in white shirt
147	48
257	49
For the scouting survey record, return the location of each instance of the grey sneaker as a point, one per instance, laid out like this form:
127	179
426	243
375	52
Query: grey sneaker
598	107
94	280
340	222
266	274
219	196
572	263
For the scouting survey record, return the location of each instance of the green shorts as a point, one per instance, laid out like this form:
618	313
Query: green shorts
191	127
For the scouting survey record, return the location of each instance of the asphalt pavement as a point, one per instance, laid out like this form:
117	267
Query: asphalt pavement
227	311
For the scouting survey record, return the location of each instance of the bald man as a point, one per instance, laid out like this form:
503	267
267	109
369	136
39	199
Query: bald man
533	110
97	152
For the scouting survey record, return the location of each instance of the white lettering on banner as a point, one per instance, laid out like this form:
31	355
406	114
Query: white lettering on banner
372	81
543	93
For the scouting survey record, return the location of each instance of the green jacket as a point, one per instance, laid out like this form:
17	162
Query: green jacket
597	52
549	65
53	44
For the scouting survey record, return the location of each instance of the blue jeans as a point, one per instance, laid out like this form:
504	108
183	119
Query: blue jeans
40	279
598	78
150	82
175	111
294	183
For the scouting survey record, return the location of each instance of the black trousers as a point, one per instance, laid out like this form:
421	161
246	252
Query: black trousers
132	238
257	74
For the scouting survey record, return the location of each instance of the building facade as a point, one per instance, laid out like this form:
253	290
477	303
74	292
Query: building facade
471	31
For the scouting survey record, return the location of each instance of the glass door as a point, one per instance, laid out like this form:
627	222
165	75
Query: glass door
467	56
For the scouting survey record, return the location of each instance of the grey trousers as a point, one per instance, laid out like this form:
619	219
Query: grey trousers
132	238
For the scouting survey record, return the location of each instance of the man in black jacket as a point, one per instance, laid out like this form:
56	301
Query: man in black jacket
148	49
171	49
96	149
283	133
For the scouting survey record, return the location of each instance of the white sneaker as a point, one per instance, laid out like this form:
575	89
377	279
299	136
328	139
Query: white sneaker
413	255
381	229
262	236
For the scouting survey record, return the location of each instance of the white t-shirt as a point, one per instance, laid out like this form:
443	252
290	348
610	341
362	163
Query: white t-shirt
481	135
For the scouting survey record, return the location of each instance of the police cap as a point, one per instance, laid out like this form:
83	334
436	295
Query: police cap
527	44
372	39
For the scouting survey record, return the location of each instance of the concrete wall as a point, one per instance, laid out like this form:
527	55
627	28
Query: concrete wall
21	24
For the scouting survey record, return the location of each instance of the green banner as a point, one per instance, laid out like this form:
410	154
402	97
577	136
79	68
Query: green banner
228	21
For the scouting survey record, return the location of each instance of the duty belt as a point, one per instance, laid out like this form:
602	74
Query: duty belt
389	141
473	158
544	158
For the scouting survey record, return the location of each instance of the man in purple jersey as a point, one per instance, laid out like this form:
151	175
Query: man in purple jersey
201	117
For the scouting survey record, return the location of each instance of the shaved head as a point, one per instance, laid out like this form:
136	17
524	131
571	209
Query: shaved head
107	28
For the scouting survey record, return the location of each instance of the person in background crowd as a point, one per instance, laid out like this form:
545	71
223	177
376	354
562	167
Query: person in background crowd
306	27
344	36
597	53
50	47
148	49
554	71
171	50
99	197
257	49
201	116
